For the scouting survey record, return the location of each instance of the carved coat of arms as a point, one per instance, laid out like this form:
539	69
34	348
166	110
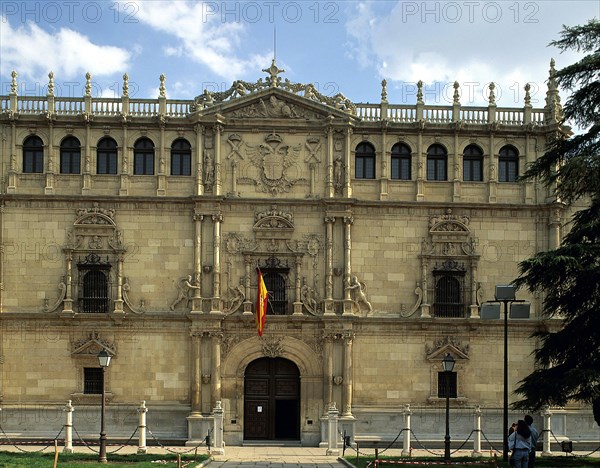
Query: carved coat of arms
272	160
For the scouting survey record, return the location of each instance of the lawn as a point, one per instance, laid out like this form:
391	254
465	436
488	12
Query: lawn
541	462
80	460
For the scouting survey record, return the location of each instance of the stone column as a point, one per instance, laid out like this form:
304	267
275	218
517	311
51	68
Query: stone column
215	379
348	165
330	189
421	160
161	180
348	221
12	171
474	308
215	307
86	186
199	182
456	180
298	300
384	164
218	130
425	306
49	188
493	181
125	160
347	375
329	305
554	225
68	302
197	298
119	300
142	410
328	372
247	291
406	439
197	373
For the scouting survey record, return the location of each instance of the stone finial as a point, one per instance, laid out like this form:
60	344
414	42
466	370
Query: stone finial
273	71
492	98
162	88
13	82
553	108
88	84
527	95
51	84
384	90
125	84
420	92
456	97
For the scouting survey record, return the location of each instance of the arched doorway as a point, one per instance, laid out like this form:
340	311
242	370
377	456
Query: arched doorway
272	400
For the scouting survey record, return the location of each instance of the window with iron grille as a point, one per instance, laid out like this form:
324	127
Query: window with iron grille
106	156
93	380
275	283
365	161
401	161
70	156
33	155
94	285
448	296
181	158
447	384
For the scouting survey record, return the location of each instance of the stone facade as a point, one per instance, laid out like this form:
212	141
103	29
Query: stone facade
377	274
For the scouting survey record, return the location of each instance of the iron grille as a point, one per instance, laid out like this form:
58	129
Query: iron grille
447	384
93	380
275	284
449	297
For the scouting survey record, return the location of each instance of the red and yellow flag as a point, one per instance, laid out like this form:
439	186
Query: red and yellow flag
262	300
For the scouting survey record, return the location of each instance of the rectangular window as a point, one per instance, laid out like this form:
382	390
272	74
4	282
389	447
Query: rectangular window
93	380
181	164
472	170
447	384
436	169
507	171
365	167
144	164
107	163
33	161
401	168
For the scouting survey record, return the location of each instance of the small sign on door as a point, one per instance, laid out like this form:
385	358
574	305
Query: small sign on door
259	409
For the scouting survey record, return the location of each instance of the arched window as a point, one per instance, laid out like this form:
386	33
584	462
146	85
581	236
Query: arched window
181	158
106	156
275	283
33	155
365	161
401	161
473	164
143	157
95	292
70	156
508	164
437	163
448	301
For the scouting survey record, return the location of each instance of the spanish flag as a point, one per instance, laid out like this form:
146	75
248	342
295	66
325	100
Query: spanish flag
262	299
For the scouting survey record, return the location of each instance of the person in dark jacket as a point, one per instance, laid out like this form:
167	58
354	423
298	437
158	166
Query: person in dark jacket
520	444
534	438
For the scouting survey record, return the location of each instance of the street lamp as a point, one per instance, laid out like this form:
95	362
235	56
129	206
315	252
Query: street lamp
104	360
448	365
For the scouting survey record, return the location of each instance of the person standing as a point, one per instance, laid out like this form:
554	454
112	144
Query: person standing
520	444
534	438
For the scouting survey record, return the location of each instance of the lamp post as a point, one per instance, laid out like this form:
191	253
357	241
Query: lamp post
104	360
448	364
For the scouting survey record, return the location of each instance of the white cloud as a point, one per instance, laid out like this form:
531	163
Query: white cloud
202	35
34	52
469	42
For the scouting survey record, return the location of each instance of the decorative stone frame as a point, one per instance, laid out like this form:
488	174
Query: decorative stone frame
435	355
85	354
450	245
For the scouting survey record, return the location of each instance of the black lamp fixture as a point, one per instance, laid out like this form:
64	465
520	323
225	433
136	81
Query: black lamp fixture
448	365
104	361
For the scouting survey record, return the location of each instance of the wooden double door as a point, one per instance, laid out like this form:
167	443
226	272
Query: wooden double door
272	400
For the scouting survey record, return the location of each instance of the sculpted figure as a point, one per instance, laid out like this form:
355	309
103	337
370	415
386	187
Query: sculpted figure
184	286
357	290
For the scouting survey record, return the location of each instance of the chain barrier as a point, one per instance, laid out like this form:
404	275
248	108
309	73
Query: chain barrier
171	450
10	442
126	444
488	441
572	454
84	442
428	463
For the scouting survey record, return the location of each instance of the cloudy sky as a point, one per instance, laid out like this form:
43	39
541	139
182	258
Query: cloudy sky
340	46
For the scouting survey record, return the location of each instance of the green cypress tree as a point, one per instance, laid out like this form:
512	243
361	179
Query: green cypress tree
568	360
